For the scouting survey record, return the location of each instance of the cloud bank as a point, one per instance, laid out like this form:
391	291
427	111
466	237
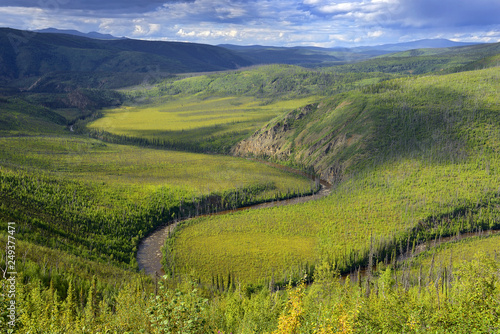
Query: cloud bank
282	22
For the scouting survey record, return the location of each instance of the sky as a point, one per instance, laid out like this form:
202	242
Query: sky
322	23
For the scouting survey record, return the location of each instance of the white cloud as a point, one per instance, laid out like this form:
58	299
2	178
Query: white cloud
492	36
182	33
375	34
339	8
312	2
229	33
143	28
19	17
339	37
276	22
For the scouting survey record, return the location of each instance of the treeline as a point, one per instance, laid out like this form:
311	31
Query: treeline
448	298
269	82
67	214
466	217
213	144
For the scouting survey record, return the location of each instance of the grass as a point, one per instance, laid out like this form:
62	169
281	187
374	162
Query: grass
455	253
382	204
250	246
430	146
97	200
144	170
221	120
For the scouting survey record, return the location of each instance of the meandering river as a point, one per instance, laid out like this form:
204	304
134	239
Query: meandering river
149	252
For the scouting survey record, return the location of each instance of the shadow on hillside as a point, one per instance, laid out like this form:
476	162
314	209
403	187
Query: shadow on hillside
438	125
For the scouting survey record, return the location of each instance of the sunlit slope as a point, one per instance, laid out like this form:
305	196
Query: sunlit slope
419	61
140	168
455	253
418	152
488	62
214	112
213	124
270	82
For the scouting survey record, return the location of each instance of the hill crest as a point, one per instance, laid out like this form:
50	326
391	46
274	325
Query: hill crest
26	54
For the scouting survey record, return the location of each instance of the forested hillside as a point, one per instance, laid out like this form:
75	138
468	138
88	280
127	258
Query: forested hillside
367	126
27	54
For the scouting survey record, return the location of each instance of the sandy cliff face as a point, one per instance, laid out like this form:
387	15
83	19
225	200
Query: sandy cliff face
274	139
317	135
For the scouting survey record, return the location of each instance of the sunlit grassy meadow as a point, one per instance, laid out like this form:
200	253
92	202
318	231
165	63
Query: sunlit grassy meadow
382	205
454	253
143	170
222	121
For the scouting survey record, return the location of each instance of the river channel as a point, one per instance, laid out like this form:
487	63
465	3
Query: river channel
149	251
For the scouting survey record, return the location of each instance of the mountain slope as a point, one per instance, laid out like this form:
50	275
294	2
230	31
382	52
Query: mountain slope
28	54
477	50
420	44
310	56
294	55
396	118
493	61
412	159
20	117
419	61
91	34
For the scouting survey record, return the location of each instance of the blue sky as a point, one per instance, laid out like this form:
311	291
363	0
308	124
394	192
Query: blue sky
323	23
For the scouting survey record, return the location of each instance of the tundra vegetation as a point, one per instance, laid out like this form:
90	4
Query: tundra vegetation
423	167
416	159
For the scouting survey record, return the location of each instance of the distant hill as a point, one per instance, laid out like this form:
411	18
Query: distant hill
25	54
53	60
420	44
91	34
478	50
331	56
488	62
297	55
418	61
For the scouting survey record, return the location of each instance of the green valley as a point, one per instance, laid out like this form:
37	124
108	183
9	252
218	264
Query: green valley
398	159
97	154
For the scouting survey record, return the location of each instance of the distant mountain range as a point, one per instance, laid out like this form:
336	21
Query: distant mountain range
394	47
303	55
91	34
96	58
420	44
